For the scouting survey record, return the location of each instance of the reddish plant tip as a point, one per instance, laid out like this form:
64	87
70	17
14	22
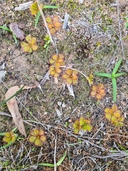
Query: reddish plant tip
98	91
70	76
37	137
30	45
113	115
53	23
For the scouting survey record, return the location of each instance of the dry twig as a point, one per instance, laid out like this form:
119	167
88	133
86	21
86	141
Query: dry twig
45	23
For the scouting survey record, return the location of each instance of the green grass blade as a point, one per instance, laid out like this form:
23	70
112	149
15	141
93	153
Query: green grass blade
57	164
5	146
117	65
2	133
122	148
114	86
12	96
50	6
5	28
119	74
14	37
103	74
37	18
47	43
14	129
61	159
46	164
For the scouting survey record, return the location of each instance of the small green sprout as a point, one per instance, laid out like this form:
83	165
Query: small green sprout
82	124
113	77
47	42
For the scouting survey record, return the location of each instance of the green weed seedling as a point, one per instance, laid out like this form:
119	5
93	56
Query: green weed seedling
113	77
47	42
8	29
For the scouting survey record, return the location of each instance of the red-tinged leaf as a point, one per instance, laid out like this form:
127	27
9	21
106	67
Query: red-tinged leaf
34	47
52	30
55	57
43	138
50	25
57	24
35	132
55	18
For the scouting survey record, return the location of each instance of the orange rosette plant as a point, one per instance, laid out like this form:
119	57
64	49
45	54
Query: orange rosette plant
9	137
70	76
57	59
82	124
37	137
114	116
30	45
55	70
53	23
98	91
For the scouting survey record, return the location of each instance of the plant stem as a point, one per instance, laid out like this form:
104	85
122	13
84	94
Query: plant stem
114	86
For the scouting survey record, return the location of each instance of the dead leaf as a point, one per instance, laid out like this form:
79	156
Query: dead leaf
15	28
59	114
45	78
23	6
13	107
70	89
65	24
122	2
2	72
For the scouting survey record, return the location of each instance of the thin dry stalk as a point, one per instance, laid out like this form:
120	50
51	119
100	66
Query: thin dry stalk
45	23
